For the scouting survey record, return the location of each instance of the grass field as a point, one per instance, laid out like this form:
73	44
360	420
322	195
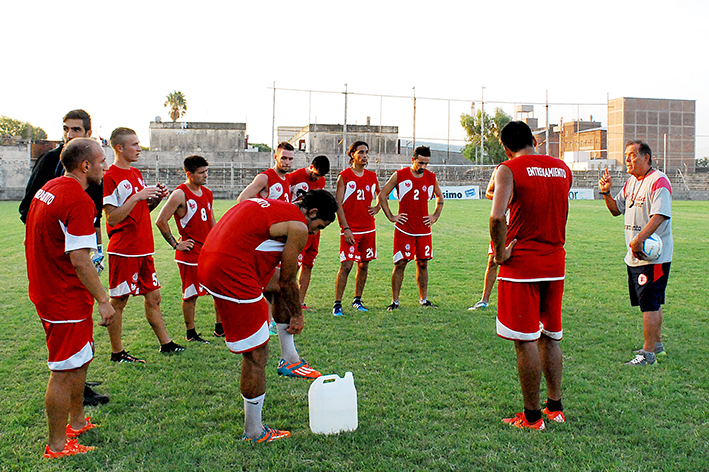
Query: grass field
432	384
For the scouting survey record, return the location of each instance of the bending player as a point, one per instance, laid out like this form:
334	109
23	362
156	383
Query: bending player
191	205
268	232
491	269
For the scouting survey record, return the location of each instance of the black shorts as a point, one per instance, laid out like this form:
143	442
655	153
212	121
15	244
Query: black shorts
647	284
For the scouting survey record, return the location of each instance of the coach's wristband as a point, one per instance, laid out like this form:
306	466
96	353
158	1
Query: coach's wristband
604	193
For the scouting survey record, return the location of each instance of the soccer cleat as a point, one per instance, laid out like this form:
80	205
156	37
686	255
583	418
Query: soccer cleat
393	306
123	356
357	305
303	306
646	358
520	421
659	355
298	369
72	433
197	338
478	306
171	347
556	416
218	335
71	448
268	435
93	398
337	310
428	304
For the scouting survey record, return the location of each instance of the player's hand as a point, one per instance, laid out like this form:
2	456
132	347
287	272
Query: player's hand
636	247
148	193
184	245
296	324
97	259
605	182
349	237
164	192
428	220
373	210
501	258
400	218
107	312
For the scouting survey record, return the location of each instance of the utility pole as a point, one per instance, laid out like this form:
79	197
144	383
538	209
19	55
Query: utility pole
414	143
482	125
273	122
344	135
546	131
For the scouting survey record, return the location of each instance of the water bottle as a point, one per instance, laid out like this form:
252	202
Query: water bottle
333	404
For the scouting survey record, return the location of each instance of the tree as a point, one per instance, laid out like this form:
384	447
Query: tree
493	152
261	147
703	162
13	127
177	103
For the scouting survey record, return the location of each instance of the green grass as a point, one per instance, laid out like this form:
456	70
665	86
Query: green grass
432	384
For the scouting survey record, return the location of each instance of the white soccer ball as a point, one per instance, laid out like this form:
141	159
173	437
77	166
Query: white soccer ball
652	247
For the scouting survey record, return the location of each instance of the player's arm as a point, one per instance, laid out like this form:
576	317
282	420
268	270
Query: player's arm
384	200
254	189
42	173
85	270
340	197
636	244
430	219
498	221
604	186
296	234
173	206
373	210
491	186
212	219
115	215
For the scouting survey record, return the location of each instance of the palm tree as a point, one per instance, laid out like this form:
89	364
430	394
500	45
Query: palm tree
177	104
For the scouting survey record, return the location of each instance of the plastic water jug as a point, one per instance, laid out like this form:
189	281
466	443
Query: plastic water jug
333	404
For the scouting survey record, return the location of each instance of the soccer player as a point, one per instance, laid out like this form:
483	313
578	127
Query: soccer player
357	187
646	202
301	181
237	261
415	186
77	124
530	252
63	284
191	205
491	269
272	183
127	202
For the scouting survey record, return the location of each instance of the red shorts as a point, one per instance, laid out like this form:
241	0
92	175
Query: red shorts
245	324
131	275
364	249
70	344
412	247
525	310
190	282
310	251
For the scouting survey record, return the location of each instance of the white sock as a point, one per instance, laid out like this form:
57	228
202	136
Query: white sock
253	425
288	350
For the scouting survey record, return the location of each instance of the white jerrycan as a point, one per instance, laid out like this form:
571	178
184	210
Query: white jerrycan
333	404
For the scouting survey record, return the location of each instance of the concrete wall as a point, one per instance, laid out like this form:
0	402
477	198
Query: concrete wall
197	136
14	171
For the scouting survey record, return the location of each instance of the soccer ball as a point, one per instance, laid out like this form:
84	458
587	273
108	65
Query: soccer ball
652	247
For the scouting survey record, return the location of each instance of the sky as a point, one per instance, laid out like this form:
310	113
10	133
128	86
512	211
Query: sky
119	60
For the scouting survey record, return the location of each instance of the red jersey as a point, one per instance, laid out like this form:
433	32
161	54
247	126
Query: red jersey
278	188
132	237
60	220
196	223
239	255
359	193
300	180
537	219
414	194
